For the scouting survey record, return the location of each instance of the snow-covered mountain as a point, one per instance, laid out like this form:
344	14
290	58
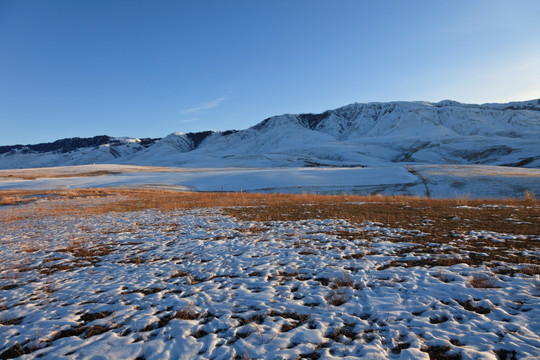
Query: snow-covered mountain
72	151
371	134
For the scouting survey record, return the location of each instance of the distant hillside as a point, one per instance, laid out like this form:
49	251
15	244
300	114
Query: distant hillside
371	134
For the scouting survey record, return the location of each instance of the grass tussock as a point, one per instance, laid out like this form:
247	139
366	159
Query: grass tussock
187	313
344	281
337	297
482	281
11	321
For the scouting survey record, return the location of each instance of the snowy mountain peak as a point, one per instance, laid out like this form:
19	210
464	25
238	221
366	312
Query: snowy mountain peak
447	132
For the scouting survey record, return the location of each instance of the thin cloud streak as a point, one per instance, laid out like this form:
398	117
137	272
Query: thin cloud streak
205	106
183	121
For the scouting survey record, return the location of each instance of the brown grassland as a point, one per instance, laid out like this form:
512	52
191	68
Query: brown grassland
32	176
390	210
440	218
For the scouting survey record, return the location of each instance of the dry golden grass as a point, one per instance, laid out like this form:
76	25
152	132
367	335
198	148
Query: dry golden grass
482	281
442	219
295	206
396	211
344	281
44	174
337	297
78	171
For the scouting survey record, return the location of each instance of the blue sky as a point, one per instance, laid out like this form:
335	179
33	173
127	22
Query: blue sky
148	68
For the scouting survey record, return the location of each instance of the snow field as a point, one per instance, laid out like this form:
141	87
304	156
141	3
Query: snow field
437	181
201	284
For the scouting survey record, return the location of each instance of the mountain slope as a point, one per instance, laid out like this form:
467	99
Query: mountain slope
72	151
371	134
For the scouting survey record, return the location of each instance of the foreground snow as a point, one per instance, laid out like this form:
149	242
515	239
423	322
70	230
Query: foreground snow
197	283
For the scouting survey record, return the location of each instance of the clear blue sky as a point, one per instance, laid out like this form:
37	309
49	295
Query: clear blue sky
148	68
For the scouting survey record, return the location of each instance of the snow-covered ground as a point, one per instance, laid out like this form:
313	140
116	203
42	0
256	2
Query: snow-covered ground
200	284
474	181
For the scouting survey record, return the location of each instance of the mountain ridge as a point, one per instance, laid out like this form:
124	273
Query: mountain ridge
357	134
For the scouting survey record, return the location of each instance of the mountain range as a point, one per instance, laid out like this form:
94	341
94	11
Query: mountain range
356	135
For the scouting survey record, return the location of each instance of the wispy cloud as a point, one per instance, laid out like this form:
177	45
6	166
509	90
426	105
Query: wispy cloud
205	106
183	121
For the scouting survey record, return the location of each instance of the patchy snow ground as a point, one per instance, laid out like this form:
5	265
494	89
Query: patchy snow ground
200	284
